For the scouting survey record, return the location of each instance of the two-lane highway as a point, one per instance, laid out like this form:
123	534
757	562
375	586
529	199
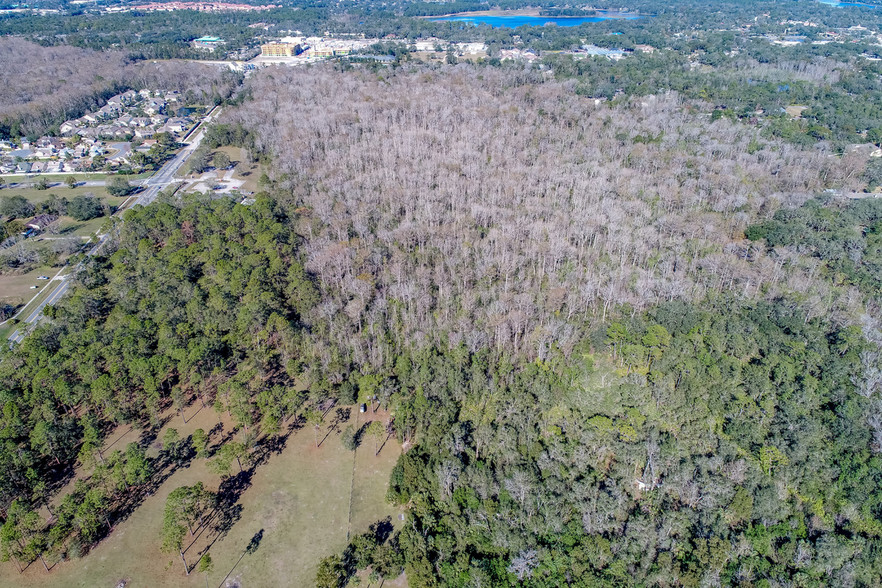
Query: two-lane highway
164	177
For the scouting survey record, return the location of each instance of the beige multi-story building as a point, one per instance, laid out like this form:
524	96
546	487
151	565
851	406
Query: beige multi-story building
278	50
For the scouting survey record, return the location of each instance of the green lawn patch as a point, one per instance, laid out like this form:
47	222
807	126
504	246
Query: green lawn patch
15	288
296	504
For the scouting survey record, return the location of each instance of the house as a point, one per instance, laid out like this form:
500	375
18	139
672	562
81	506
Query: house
23	167
144	133
68	127
154	107
42	221
120	99
176	125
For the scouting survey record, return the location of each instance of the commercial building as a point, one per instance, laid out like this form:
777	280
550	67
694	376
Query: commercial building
207	43
279	50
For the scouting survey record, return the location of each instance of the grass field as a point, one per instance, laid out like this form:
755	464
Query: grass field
80	177
295	506
249	173
35	196
70	226
16	288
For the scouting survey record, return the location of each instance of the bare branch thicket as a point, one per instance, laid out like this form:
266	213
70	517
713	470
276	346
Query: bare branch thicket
489	205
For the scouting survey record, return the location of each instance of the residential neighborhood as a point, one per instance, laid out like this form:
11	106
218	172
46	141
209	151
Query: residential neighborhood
121	133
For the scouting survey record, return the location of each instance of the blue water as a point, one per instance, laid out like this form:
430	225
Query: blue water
837	3
513	22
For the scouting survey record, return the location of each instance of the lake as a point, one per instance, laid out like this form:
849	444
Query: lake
837	3
513	22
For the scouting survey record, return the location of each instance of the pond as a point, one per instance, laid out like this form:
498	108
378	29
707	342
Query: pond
837	3
514	21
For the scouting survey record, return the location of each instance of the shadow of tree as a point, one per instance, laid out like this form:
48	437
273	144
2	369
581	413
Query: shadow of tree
254	543
382	530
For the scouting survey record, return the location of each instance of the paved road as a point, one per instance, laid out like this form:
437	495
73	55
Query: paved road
64	283
166	175
155	184
122	150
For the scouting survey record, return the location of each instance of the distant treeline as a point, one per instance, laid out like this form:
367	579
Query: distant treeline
40	87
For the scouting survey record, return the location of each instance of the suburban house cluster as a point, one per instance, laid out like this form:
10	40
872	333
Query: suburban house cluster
131	114
128	123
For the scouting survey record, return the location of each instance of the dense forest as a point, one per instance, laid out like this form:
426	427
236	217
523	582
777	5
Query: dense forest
718	51
516	212
624	316
208	306
602	331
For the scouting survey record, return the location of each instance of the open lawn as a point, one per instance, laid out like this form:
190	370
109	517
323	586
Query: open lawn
70	226
250	173
67	226
292	510
35	196
79	176
16	288
247	173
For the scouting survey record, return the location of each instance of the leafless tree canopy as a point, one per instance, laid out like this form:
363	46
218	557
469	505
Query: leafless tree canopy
42	86
501	210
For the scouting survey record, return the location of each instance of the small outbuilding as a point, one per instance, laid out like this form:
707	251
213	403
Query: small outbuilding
42	221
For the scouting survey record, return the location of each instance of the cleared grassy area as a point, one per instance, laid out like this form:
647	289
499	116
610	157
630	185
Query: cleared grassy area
295	505
249	173
6	330
80	177
42	292
70	226
16	288
36	196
